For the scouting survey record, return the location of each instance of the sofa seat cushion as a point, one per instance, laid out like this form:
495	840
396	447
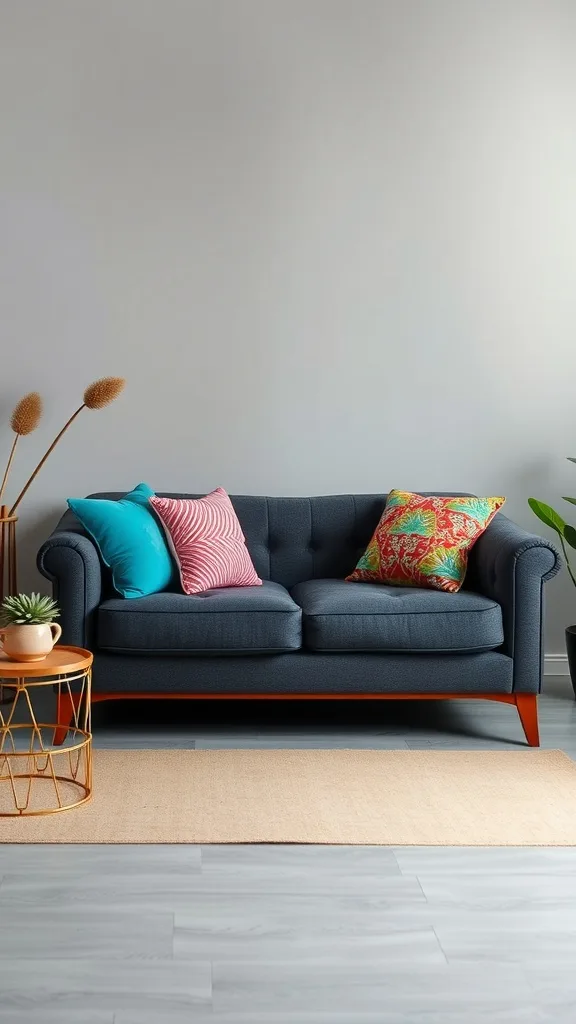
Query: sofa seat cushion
228	620
341	616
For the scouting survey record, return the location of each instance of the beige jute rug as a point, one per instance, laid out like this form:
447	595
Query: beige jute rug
358	797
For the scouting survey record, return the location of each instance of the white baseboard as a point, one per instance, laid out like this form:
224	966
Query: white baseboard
556	665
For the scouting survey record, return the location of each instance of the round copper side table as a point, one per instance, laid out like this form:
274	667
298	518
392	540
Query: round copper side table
37	777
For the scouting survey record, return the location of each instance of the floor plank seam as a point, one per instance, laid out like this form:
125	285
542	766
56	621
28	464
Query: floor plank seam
441	946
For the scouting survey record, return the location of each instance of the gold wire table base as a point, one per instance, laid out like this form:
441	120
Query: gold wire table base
37	777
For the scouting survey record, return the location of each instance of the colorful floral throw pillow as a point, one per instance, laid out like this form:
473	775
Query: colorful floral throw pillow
424	541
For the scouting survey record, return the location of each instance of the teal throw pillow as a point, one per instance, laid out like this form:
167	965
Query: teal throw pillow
130	540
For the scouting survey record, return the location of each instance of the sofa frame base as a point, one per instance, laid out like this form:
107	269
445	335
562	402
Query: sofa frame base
526	703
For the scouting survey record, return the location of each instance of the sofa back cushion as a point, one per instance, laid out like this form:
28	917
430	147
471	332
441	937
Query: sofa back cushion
296	539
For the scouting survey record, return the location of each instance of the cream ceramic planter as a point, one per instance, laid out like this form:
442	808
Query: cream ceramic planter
29	643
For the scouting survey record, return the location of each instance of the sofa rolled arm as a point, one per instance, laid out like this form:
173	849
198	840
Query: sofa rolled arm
70	560
511	566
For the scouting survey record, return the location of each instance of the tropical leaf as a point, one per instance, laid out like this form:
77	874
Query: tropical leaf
570	535
547	515
396	498
479	509
447	562
571	500
570	459
370	559
421	521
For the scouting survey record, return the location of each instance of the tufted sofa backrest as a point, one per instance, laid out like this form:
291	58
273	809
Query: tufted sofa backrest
296	539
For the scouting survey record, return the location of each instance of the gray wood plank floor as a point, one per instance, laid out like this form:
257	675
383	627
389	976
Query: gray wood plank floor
292	934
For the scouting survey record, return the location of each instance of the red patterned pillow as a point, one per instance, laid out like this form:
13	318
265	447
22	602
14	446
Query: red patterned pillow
207	540
424	542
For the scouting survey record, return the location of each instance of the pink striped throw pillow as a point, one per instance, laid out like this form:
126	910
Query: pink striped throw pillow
207	540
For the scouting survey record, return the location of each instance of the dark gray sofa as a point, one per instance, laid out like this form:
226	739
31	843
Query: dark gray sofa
306	631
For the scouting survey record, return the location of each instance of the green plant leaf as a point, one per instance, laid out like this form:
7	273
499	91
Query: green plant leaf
31	609
570	535
547	515
570	459
571	500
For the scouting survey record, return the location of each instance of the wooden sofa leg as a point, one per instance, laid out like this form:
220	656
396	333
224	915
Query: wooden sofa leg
527	704
65	709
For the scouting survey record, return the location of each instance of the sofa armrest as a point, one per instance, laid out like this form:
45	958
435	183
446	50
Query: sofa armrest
511	566
70	559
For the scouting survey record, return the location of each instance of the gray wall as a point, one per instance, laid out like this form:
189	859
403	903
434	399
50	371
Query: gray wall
330	243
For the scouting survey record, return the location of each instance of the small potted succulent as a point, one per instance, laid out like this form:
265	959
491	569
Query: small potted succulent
566	535
28	630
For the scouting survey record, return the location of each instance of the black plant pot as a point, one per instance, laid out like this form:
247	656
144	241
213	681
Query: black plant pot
571	650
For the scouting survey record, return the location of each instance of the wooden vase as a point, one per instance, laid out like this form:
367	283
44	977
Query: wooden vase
8	574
